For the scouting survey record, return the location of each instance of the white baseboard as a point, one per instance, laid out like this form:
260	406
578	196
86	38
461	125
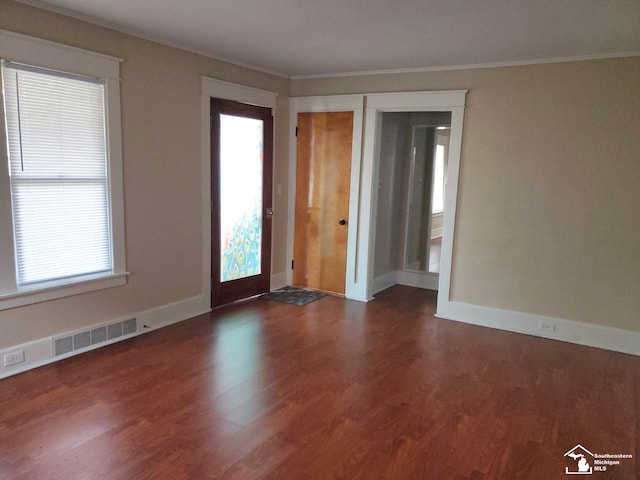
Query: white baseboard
384	281
40	352
36	353
278	280
428	281
409	279
571	331
172	313
436	232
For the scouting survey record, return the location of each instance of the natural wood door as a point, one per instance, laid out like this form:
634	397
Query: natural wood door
323	172
241	177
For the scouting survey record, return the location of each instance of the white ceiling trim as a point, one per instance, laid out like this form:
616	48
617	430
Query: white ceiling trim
517	63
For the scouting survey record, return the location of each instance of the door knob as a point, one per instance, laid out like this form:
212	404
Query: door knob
342	222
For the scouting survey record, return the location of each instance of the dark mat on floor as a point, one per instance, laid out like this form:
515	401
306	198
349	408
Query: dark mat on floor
294	296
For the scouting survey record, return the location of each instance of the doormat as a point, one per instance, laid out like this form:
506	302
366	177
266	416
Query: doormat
294	296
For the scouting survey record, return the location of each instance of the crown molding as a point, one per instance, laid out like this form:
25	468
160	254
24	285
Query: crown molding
515	63
205	53
138	34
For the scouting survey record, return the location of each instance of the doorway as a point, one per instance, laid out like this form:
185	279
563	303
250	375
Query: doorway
354	286
323	172
241	213
411	198
450	103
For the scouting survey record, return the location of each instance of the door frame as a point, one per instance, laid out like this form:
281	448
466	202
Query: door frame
355	283
436	101
236	289
212	87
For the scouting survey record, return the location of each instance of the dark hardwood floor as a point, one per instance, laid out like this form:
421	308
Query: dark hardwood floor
333	390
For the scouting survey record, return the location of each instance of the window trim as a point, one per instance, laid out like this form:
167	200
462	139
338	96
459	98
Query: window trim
55	56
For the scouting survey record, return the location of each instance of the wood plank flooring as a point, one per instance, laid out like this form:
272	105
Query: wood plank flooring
334	390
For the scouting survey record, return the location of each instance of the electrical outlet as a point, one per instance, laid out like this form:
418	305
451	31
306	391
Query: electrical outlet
13	358
548	327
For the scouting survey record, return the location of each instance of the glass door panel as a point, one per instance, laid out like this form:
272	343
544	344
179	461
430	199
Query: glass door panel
241	157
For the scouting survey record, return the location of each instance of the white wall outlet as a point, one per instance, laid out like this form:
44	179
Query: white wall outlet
13	358
548	327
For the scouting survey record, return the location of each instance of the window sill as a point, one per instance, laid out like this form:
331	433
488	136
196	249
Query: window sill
52	290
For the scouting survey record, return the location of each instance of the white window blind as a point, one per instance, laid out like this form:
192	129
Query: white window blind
58	169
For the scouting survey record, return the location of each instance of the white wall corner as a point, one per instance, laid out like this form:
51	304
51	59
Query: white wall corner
428	281
278	280
571	331
384	281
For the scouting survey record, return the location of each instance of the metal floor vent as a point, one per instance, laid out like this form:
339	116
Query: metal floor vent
94	336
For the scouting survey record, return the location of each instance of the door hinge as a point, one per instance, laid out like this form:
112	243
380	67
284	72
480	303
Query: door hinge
296	131
291	264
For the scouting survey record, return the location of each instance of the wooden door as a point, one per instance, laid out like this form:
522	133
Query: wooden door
241	177
323	173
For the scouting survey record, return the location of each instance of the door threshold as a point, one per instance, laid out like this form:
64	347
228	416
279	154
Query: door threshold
240	300
333	294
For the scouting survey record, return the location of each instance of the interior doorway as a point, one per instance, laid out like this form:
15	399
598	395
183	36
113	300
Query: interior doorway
412	180
241	212
323	173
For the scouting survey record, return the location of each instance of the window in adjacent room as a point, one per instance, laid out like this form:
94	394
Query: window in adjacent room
437	205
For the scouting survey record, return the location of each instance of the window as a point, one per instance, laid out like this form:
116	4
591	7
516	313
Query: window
57	161
61	224
437	205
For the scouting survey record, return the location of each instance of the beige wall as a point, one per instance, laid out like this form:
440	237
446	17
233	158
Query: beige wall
161	154
549	199
547	220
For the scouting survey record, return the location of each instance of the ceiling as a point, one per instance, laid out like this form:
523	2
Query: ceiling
297	38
